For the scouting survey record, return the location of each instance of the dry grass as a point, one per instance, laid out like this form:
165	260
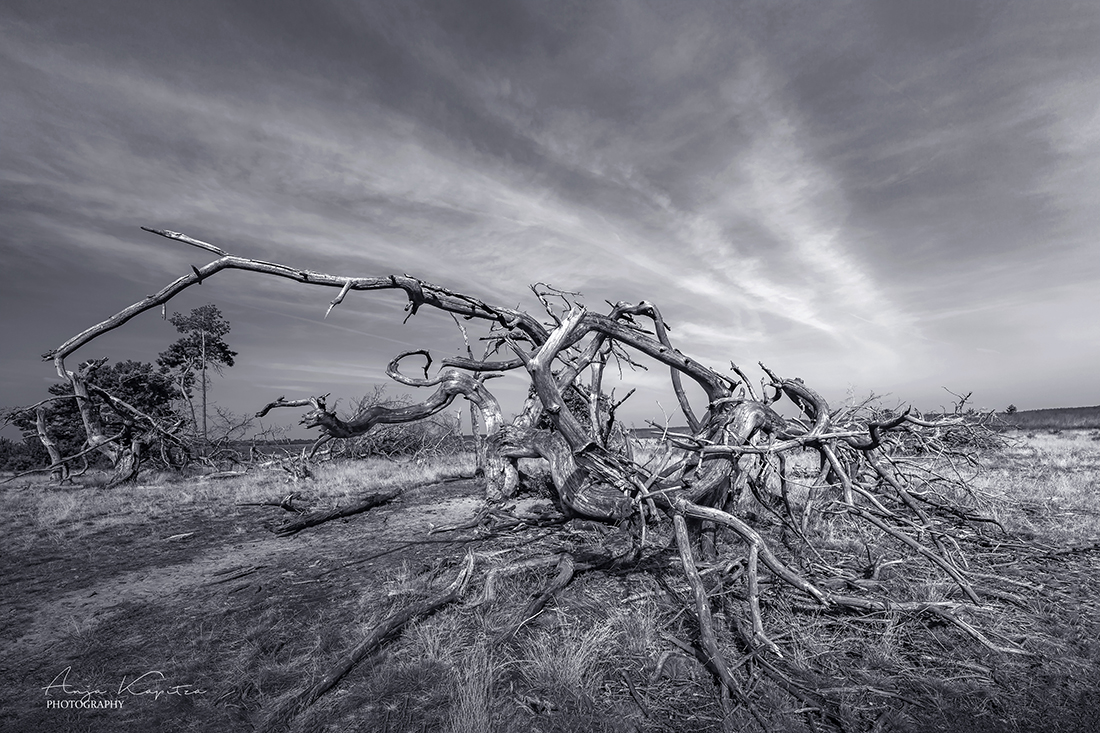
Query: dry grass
603	655
1045	485
473	680
69	511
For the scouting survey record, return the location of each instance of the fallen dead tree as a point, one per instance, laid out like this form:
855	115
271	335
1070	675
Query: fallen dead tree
312	519
737	451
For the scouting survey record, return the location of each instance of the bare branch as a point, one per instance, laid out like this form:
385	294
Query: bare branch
339	298
188	240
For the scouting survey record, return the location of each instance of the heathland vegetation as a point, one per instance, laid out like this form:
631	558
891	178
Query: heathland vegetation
184	576
1059	418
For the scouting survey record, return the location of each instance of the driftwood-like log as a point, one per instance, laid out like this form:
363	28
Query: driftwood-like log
58	464
579	492
500	473
566	569
314	518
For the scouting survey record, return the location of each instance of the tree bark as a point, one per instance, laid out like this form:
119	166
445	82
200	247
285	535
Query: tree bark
314	518
60	471
579	493
119	451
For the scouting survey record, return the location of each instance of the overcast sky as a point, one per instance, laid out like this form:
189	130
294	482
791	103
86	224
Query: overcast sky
878	196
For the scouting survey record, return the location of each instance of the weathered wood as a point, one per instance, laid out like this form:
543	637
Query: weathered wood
592	477
501	477
713	657
58	465
753	537
314	518
578	493
566	569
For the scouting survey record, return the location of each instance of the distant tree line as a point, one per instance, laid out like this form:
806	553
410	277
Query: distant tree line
1057	418
22	455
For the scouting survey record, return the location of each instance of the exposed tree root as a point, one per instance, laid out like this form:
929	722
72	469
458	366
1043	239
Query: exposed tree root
713	658
566	569
286	503
493	519
281	718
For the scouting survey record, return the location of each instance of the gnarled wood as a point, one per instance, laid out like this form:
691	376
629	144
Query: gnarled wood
700	479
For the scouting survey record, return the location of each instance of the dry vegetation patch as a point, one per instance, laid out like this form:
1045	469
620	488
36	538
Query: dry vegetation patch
187	579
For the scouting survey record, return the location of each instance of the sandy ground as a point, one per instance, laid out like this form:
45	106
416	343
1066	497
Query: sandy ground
101	602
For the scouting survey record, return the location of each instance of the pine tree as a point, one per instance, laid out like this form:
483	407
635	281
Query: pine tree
202	347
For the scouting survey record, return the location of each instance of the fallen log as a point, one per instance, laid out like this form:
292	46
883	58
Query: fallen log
314	518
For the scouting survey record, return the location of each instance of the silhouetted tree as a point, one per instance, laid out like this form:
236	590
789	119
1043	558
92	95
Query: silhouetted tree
201	348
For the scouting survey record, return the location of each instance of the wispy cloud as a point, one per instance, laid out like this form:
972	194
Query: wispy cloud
859	195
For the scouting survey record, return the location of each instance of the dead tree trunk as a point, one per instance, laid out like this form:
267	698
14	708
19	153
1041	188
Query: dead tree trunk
122	450
60	471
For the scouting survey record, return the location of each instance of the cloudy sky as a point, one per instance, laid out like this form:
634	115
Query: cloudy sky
889	196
